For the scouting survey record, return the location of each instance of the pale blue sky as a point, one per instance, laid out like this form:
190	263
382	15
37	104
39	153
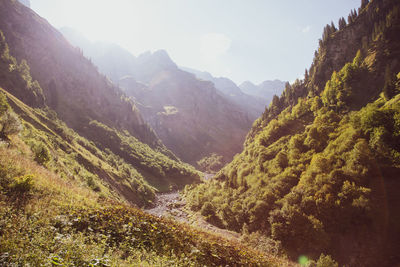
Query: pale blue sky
251	40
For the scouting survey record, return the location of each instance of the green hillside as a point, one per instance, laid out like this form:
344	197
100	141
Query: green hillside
54	212
317	181
116	152
319	171
66	200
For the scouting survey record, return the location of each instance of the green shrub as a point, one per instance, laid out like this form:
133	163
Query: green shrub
326	261
10	124
20	187
207	210
41	153
9	121
211	163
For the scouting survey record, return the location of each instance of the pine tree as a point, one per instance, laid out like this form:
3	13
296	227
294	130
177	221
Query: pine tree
357	59
342	23
326	33
333	27
275	106
353	15
364	3
350	17
389	89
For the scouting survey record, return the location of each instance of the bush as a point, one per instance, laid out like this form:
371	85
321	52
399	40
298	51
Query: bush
9	121
326	261
10	124
21	185
211	164
41	153
207	210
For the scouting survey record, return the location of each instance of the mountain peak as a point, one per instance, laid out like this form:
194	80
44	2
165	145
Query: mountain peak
161	53
266	89
247	83
159	57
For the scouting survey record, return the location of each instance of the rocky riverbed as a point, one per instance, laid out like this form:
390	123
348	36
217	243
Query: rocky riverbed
172	205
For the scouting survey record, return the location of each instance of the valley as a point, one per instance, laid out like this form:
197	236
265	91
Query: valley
108	158
173	205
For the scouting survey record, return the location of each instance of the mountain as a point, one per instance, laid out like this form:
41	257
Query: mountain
190	116
66	199
66	202
253	105
26	3
266	90
319	171
109	142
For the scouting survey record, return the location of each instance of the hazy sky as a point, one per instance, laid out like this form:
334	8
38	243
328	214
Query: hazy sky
251	40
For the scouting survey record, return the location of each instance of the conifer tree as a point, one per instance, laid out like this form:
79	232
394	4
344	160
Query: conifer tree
389	89
333	27
342	23
364	3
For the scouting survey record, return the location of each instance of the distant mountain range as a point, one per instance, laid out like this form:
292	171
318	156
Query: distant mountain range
253	104
266	90
193	117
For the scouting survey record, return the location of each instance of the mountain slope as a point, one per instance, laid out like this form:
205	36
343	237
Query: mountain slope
66	88
265	90
190	116
64	201
253	105
49	219
71	84
319	171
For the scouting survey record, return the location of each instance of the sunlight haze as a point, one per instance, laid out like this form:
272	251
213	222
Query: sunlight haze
242	40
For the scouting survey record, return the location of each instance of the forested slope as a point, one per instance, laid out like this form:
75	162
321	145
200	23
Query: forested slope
320	169
54	211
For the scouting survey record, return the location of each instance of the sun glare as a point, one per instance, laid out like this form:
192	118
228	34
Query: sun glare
125	22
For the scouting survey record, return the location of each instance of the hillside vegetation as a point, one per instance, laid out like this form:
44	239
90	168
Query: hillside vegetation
319	171
104	141
66	200
317	180
47	219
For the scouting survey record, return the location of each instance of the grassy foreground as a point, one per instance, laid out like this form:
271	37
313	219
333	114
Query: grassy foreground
46	220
